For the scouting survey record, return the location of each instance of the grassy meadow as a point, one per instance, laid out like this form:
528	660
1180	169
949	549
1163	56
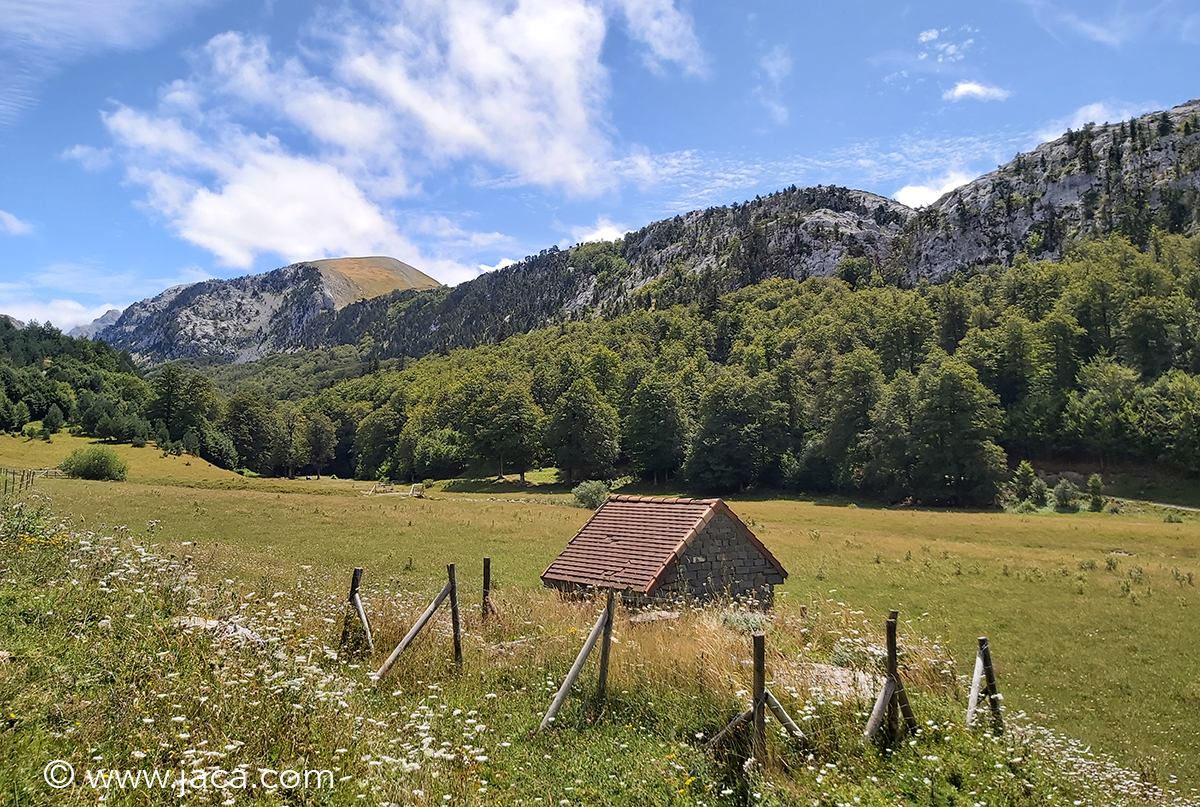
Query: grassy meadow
1091	616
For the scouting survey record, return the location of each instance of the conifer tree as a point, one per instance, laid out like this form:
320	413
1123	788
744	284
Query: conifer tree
584	433
655	430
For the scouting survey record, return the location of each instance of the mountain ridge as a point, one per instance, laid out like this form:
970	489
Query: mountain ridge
1125	177
244	318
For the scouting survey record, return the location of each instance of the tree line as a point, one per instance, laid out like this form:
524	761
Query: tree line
848	383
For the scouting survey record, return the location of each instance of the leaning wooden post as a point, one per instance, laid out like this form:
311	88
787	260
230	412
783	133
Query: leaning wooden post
983	682
454	620
893	674
560	697
356	603
728	731
487	588
413	631
760	698
892	700
989	672
605	645
781	714
881	705
976	683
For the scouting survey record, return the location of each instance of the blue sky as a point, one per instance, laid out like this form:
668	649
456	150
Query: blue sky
145	143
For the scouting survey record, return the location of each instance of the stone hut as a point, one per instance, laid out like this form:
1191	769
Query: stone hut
667	550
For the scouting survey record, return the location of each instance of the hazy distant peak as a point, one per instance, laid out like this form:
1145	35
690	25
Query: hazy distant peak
94	327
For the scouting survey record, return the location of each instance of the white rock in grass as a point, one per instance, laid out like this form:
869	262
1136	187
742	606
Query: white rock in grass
221	628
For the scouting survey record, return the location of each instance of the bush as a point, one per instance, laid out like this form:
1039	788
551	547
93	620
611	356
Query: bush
590	494
53	421
1039	494
1095	487
1065	494
1023	480
96	462
440	454
217	447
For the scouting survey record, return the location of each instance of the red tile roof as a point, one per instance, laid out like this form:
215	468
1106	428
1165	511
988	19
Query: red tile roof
630	541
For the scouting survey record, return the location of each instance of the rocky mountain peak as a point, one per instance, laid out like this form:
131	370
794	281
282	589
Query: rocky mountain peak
244	318
1112	177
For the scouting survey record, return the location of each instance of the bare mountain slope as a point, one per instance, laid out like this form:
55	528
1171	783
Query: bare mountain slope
247	317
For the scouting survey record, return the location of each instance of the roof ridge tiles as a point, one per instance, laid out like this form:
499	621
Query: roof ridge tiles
626	497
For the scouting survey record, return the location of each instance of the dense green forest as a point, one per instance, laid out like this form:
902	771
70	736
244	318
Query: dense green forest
847	383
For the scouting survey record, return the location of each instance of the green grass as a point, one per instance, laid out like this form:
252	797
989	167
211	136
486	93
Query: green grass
101	673
1072	647
1104	655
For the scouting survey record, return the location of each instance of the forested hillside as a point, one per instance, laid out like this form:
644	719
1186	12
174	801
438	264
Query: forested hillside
1125	178
45	374
796	233
829	384
846	383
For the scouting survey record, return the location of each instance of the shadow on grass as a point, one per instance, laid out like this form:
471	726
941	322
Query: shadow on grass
505	485
675	488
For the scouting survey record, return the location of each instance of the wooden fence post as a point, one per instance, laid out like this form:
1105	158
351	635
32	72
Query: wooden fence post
893	674
985	677
487	589
560	697
763	700
781	714
605	644
993	691
413	631
733	726
760	698
356	603
454	621
881	705
892	700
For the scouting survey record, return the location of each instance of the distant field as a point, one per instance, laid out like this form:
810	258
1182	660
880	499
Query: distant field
1091	617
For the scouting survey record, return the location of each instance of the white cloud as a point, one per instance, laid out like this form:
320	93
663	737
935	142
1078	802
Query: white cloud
448	233
503	262
1113	27
520	85
941	49
1189	29
63	314
89	157
666	31
1115	23
973	89
922	195
304	156
604	229
11	225
776	65
38	37
1098	112
289	206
